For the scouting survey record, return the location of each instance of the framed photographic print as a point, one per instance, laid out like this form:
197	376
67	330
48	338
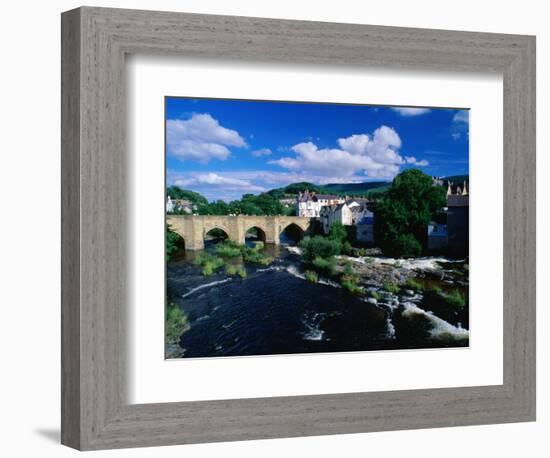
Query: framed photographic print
300	248
285	228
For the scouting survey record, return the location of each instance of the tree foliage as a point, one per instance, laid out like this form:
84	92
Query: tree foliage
173	242
403	214
296	188
176	192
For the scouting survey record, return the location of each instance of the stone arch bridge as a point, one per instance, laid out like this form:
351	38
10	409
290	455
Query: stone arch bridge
194	228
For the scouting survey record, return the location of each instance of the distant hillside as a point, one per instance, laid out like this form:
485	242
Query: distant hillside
332	188
355	188
457	179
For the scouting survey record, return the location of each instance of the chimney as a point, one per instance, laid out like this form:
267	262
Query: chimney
449	192
465	190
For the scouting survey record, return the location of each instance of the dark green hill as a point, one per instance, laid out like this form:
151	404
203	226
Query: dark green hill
331	188
355	188
457	179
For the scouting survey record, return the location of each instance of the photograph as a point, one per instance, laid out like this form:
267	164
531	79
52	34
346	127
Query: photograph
296	227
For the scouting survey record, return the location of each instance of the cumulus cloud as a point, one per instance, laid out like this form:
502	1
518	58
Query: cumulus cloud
261	152
200	138
412	160
375	156
460	124
216	186
461	116
403	111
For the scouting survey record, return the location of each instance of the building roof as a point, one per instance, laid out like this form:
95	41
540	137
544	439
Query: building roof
327	196
458	201
306	196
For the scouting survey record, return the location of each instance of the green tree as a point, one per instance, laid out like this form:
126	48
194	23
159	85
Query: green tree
319	247
338	232
176	192
295	188
173	242
403	213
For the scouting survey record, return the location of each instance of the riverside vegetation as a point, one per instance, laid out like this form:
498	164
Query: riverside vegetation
346	297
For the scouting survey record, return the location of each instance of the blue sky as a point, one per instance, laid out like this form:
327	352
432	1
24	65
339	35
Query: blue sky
226	148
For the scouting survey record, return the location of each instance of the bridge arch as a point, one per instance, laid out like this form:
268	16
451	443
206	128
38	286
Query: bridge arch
259	233
293	231
217	231
193	228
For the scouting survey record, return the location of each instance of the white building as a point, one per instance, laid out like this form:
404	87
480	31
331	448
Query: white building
169	205
330	214
309	203
179	205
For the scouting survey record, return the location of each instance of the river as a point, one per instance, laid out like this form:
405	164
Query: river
275	310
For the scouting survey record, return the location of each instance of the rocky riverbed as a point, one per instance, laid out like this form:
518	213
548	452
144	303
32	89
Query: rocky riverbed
416	303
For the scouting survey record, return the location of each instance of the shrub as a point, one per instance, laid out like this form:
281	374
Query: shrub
338	232
347	248
455	298
230	269
241	272
176	323
327	266
255	256
311	276
376	295
436	289
173	242
349	283
211	265
360	252
319	246
390	287
348	270
228	249
413	283
202	259
258	246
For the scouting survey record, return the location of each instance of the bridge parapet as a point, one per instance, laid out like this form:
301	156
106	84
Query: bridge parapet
193	228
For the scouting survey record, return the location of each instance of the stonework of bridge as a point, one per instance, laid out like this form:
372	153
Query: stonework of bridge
194	228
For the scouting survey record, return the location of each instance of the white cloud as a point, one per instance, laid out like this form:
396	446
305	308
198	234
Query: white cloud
200	138
403	111
261	152
375	156
460	124
412	160
461	116
215	186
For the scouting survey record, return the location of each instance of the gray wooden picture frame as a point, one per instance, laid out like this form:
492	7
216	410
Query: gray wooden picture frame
95	412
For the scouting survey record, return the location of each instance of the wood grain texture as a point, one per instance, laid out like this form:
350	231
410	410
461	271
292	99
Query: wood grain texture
96	414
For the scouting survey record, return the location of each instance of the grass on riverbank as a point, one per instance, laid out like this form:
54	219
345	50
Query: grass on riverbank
177	323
